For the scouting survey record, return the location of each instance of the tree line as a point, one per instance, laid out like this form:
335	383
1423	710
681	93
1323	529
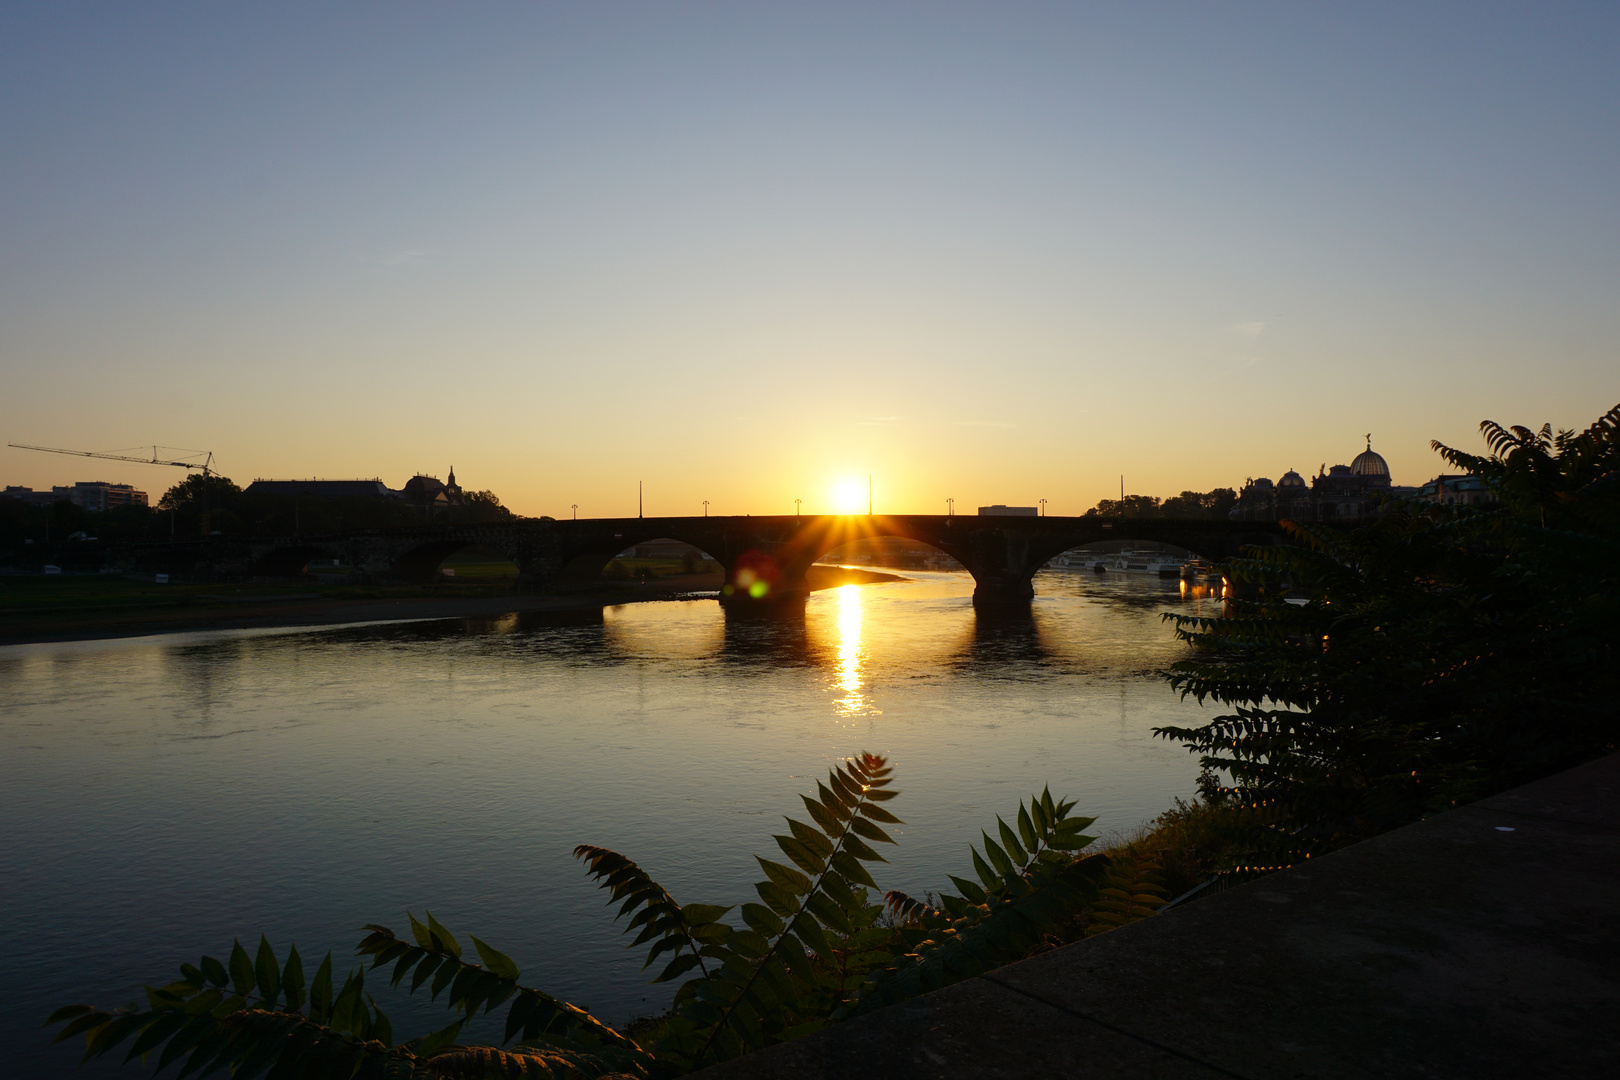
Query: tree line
1189	504
202	506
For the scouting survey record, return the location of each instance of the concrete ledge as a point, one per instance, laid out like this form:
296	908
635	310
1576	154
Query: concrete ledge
1480	943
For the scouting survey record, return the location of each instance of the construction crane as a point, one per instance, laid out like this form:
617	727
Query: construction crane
207	466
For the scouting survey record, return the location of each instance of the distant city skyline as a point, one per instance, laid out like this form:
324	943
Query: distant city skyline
753	255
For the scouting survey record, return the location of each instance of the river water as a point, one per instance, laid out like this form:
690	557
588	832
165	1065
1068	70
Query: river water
160	796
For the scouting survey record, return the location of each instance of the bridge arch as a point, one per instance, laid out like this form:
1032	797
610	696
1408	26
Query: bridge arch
290	560
591	550
421	563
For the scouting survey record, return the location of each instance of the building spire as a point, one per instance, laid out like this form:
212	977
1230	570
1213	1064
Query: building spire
1369	440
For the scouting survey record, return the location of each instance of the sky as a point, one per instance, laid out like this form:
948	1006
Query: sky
750	253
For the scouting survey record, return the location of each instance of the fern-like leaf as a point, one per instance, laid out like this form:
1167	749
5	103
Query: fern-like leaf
1001	916
1132	889
696	928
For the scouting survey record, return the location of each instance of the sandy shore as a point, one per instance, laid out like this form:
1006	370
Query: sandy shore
257	613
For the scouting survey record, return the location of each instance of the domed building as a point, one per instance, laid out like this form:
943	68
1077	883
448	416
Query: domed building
1370	463
1352	492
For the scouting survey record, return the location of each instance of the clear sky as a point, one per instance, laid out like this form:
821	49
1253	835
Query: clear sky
996	252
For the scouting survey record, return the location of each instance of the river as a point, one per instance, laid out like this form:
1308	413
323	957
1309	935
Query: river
160	796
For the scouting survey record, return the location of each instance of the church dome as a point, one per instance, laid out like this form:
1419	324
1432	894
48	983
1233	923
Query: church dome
1369	462
1291	479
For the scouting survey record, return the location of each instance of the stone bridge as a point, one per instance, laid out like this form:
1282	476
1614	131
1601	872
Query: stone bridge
764	557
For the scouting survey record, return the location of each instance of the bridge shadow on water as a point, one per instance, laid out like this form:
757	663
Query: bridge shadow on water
1005	637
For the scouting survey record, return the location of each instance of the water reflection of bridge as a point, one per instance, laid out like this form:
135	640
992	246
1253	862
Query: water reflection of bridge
765	558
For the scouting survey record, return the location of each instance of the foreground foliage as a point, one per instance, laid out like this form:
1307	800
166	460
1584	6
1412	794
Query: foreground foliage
1438	655
817	946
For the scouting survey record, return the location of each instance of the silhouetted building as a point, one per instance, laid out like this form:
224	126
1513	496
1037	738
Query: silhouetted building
1453	490
96	496
323	489
37	498
1350	492
429	494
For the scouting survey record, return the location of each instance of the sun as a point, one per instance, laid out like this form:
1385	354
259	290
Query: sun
849	497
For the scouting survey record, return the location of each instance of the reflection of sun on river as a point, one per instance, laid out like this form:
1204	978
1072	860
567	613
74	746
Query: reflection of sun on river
850	655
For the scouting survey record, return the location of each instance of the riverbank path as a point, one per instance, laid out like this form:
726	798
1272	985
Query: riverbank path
1480	943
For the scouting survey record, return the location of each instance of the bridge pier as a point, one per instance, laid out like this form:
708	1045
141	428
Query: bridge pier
1003	592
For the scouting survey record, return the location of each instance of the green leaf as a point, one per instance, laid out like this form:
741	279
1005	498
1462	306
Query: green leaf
424	936
848	790
991	879
810	838
156	1032
292	979
241	969
67	1012
970	890
997	857
857	848
825	819
762	919
678	966
320	992
847	865
800	853
196	1030
1026	829
495	962
268	973
443	939
213	971
833	802
865	828
429	1045
831	915
777	898
697	914
92	1019
1009	842
785	876
425	969
877	813
448	971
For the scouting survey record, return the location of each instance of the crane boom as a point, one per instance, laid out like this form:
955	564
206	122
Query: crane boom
206	466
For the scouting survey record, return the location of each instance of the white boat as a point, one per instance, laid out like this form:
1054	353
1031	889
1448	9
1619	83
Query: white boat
1151	563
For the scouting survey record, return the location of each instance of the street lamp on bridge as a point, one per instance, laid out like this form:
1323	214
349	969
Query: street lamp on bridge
576	511
796	503
1043	508
705	507
950	507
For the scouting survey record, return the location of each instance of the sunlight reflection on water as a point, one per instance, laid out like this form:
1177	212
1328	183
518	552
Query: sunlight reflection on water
853	703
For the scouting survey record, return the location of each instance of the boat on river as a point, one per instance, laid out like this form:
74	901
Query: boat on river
1150	563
